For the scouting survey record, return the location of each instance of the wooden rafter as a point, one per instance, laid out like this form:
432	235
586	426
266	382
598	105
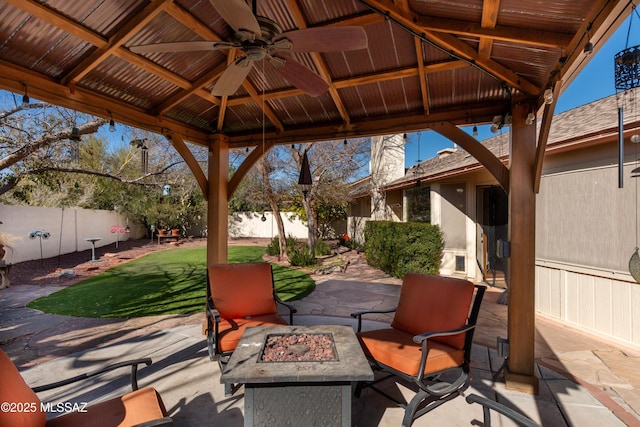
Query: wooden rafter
422	75
298	18
121	36
452	44
490	10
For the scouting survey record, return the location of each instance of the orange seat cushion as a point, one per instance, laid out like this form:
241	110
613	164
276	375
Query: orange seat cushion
434	303
241	290
133	408
397	350
230	330
24	404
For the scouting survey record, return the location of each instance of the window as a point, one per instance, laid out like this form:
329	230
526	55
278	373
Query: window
419	204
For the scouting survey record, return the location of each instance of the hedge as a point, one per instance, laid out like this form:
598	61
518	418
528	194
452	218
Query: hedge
402	247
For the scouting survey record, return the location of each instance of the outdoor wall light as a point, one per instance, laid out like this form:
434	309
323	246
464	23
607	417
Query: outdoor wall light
635	138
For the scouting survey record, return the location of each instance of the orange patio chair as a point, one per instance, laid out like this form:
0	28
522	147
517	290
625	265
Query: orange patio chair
239	296
428	342
22	407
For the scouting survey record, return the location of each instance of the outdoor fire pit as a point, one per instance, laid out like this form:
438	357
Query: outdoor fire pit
297	375
298	348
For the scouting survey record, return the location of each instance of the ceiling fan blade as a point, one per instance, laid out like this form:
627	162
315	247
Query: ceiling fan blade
326	39
300	76
174	47
237	14
232	78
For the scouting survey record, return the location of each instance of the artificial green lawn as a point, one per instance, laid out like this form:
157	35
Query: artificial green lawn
165	282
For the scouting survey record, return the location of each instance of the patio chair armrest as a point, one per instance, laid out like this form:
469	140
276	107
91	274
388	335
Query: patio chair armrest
488	404
427	335
134	374
161	422
290	307
212	313
358	315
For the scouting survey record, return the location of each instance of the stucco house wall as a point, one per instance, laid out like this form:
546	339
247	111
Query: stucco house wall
586	227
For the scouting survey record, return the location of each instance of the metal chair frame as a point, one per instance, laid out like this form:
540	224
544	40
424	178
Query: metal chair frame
433	391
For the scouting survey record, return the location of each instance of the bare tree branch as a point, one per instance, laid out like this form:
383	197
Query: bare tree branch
25	150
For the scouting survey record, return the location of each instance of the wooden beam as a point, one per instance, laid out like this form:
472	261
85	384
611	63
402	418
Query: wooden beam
545	129
520	374
454	45
130	28
44	88
490	10
476	149
262	104
508	34
253	157
422	75
182	149
362	80
391	124
46	14
323	70
217	208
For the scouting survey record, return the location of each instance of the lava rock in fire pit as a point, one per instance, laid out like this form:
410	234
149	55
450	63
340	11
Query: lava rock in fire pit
299	348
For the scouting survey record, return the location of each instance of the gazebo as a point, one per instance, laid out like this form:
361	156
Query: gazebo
421	64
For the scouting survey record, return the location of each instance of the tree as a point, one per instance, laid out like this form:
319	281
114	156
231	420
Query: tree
333	165
51	156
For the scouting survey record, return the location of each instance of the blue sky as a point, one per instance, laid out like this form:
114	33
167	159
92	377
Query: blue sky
594	82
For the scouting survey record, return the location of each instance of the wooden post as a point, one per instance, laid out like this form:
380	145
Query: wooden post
218	207
520	374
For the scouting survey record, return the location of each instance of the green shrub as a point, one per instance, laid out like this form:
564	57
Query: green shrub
398	248
273	248
322	248
300	257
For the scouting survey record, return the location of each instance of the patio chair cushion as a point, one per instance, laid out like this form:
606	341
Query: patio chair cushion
438	311
241	290
230	330
397	350
24	409
133	408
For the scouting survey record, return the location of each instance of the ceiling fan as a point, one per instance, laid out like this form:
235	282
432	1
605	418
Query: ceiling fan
262	38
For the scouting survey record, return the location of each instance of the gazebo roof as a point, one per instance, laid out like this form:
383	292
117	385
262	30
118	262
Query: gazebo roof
427	61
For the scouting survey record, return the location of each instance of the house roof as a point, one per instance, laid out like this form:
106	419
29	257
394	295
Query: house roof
425	62
593	123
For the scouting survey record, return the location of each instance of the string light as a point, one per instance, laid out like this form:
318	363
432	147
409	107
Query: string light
112	124
25	98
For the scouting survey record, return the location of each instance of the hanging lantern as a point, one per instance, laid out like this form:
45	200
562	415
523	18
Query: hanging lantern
304	180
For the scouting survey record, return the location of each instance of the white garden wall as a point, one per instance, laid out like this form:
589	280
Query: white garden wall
68	227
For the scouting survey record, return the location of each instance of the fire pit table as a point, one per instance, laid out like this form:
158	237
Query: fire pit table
297	375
